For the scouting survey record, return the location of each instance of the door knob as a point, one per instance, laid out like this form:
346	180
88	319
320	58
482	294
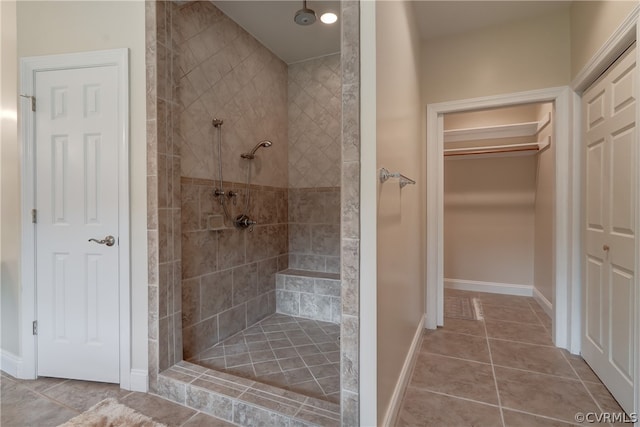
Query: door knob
109	241
605	247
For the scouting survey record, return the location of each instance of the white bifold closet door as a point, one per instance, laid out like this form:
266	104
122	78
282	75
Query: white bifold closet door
610	144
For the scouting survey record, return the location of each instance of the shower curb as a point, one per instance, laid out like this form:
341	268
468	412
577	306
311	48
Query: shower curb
242	401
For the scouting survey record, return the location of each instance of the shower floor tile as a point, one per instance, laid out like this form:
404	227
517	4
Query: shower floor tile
284	351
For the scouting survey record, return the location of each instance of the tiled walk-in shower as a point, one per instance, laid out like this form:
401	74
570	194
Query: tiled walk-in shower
293	353
213	92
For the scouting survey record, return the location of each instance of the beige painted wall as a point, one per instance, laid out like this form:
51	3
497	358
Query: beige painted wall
592	23
489	219
543	276
525	55
10	183
49	27
400	218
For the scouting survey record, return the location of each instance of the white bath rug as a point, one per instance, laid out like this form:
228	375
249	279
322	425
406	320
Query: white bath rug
110	413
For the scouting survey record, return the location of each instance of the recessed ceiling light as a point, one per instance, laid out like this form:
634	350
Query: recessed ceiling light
329	18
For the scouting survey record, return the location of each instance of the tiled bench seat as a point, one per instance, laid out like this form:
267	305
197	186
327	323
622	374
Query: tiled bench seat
309	294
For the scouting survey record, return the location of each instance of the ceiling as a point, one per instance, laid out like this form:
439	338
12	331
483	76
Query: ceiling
271	22
446	18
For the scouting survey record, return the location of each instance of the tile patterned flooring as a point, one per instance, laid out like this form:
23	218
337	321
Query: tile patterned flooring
503	371
49	402
500	371
293	353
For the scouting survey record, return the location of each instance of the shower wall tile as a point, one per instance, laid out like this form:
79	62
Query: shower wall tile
350	123
163	207
228	274
332	264
325	239
245	283
199	337
216	293
351	277
350	213
152	299
314	122
199	252
258	308
190	301
267	270
314	228
231	245
223	72
351	200
300	238
308	262
232	321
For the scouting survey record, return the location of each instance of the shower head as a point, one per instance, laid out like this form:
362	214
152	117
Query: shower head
305	16
251	155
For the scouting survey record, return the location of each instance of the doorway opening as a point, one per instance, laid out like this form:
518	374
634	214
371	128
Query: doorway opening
565	234
498	201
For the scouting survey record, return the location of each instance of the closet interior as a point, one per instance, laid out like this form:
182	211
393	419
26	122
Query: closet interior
498	200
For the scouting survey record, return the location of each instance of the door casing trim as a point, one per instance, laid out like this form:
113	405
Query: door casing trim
29	66
566	325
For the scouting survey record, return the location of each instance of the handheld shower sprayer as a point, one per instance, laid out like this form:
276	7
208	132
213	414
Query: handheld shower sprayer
252	154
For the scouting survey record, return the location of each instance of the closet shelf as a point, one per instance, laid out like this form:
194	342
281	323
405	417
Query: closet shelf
495	132
523	149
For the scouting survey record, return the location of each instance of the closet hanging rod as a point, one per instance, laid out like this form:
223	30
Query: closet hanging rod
386	175
498	149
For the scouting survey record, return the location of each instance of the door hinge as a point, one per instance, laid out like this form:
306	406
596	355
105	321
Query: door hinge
33	101
35	327
34	216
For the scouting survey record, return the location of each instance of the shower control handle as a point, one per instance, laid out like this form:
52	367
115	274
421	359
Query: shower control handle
243	221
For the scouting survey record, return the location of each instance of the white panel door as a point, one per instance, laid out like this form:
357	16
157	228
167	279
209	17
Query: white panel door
610	139
77	200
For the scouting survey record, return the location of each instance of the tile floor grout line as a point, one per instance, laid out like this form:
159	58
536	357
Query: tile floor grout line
55	401
572	379
454	357
540	416
467	399
190	418
543	324
584	385
522	342
493	370
537	372
286	328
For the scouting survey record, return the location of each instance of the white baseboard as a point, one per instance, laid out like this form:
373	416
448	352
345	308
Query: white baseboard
10	364
491	287
396	398
543	302
139	380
